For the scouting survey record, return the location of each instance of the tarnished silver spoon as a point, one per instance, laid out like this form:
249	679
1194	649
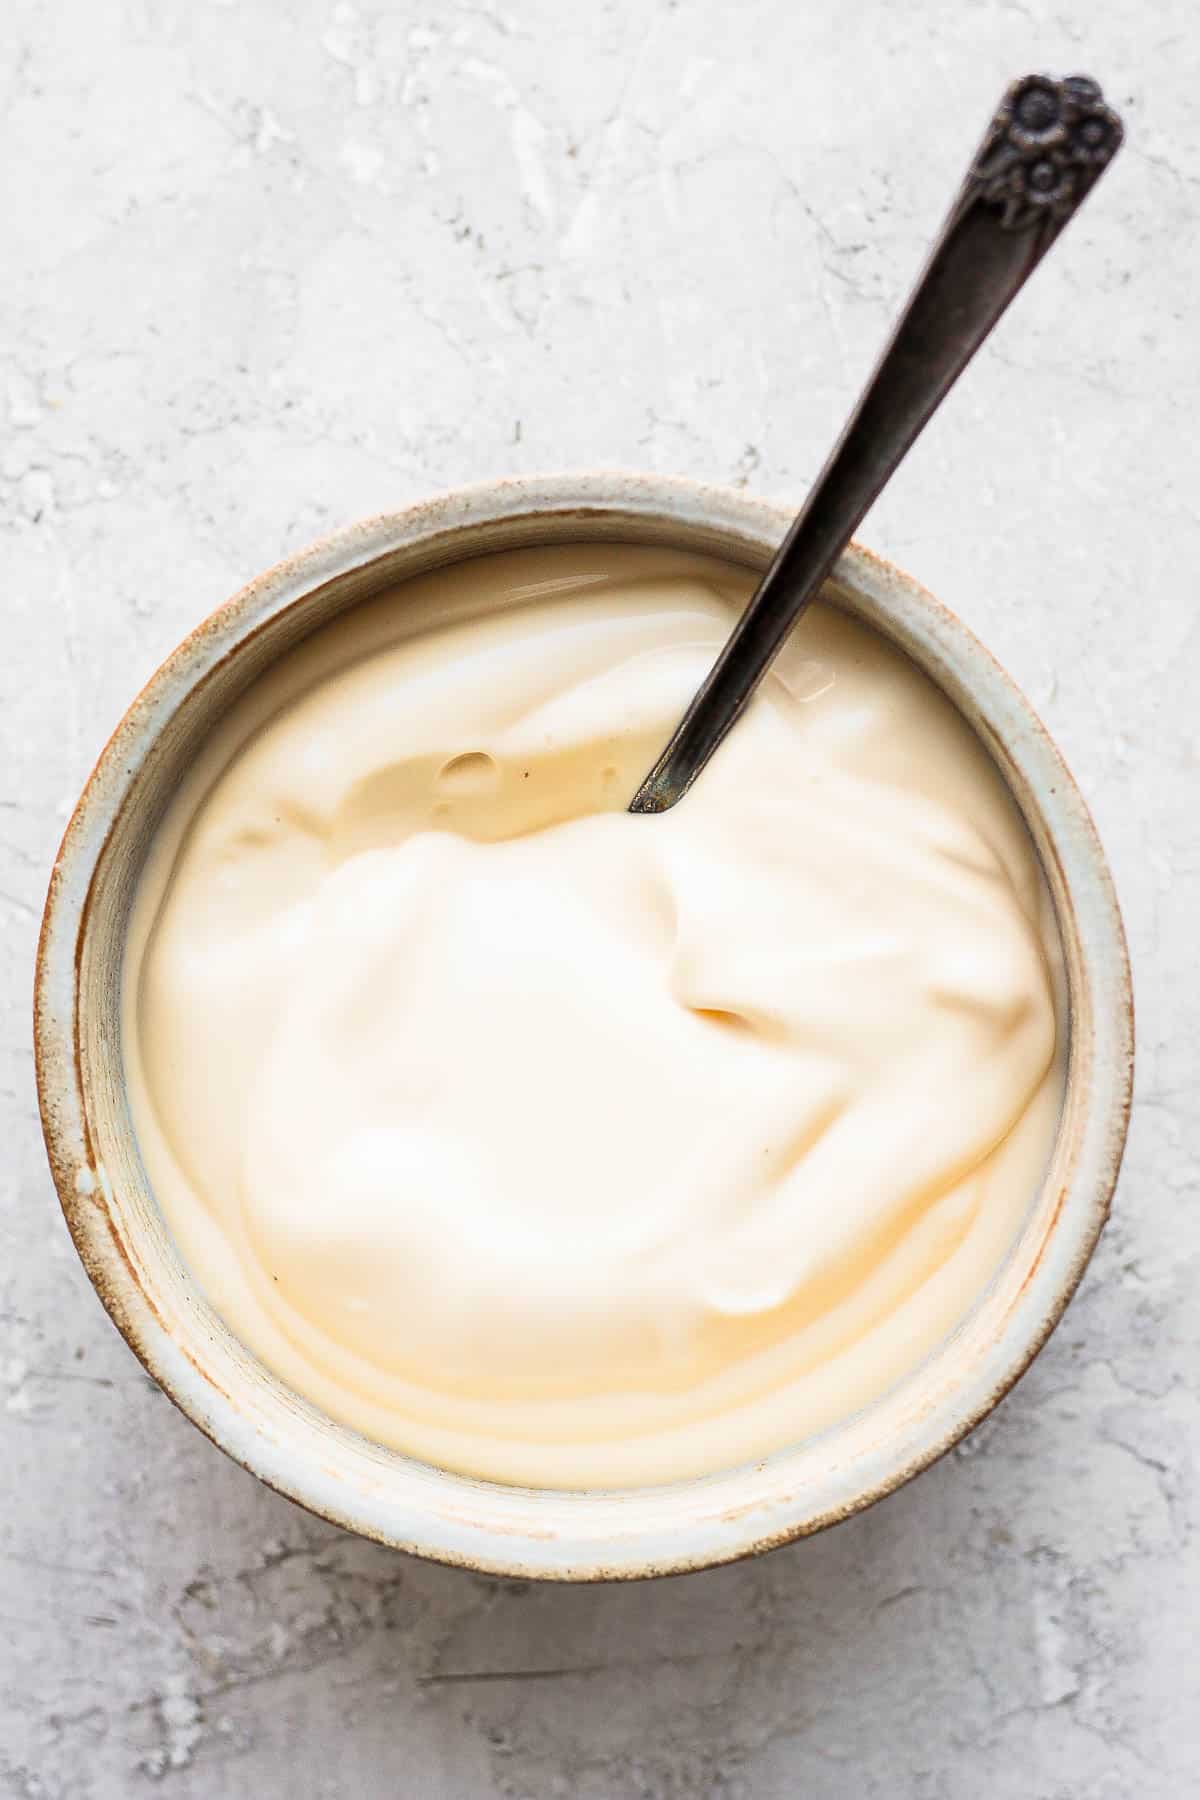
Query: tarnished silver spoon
1044	150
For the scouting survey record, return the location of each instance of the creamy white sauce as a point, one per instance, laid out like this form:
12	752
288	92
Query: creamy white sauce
560	1146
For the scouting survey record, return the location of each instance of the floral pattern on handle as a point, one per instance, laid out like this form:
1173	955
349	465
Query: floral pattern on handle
1047	144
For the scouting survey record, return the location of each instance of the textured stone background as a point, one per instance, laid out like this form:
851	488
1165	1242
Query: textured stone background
272	264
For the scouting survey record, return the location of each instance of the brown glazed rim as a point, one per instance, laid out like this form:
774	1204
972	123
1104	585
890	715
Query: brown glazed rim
181	1341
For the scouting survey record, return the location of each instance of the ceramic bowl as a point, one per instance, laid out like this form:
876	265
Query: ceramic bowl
133	1263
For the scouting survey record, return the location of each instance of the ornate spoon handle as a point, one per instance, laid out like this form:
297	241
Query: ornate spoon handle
1045	148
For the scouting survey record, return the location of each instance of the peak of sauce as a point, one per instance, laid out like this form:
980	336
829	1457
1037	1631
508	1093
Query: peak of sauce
560	1146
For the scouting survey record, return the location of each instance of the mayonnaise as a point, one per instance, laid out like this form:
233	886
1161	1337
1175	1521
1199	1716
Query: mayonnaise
565	1147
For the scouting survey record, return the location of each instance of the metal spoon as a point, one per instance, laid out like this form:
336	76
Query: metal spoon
1045	148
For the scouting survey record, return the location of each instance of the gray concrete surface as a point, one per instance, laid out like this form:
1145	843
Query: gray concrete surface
272	264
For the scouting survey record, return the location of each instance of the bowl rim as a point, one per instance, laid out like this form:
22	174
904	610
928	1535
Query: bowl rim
778	1511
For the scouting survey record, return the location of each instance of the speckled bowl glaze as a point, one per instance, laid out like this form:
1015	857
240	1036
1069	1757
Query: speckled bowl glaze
133	1263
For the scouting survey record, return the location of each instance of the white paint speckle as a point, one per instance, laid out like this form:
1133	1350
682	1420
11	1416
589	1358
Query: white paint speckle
182	1723
269	131
36	495
362	162
348	41
13	1371
529	138
24	406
